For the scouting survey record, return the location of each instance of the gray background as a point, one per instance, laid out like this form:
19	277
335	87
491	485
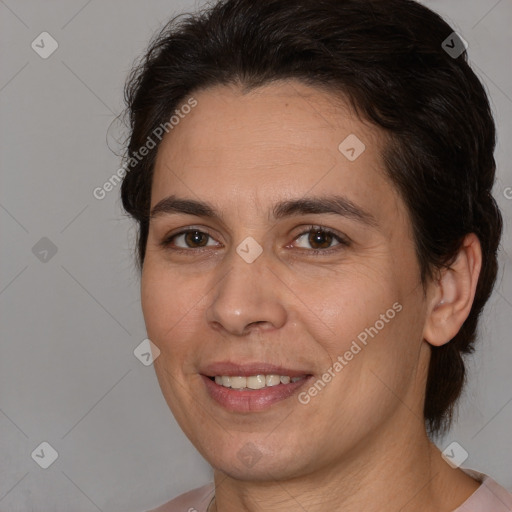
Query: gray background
68	375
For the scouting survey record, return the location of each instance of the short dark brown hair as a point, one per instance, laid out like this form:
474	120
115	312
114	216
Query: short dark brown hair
387	58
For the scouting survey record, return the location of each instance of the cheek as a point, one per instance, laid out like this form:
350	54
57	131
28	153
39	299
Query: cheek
350	304
153	305
173	307
160	304
373	326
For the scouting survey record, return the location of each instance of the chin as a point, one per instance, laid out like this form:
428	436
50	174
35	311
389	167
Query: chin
257	462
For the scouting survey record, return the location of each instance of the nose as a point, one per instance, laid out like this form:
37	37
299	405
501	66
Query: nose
249	297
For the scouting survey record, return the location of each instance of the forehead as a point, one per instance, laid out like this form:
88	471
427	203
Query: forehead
306	118
281	139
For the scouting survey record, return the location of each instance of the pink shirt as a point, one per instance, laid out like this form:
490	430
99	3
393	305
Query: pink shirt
489	497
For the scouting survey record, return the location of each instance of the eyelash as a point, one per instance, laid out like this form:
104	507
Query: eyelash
342	241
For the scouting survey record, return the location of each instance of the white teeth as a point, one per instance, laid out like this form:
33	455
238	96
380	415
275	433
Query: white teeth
272	380
254	381
238	382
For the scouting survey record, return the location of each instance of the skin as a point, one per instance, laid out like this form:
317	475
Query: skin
360	443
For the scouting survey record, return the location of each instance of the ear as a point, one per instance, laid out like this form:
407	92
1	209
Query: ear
451	296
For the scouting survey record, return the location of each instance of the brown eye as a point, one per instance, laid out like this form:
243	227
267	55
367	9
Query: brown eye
188	239
196	239
320	239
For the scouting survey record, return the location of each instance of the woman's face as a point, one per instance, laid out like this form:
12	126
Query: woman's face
300	256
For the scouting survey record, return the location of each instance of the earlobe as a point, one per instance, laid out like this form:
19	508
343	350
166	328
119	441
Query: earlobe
452	294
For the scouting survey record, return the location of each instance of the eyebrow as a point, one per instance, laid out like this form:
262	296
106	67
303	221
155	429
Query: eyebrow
334	204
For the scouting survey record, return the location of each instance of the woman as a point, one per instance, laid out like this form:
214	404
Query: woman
317	237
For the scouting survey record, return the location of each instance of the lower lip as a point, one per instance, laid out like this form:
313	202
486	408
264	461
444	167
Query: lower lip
235	400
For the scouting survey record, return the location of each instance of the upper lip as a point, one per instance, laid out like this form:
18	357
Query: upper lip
229	368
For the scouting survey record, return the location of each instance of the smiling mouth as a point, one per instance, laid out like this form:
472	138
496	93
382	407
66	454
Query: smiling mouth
243	394
254	382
